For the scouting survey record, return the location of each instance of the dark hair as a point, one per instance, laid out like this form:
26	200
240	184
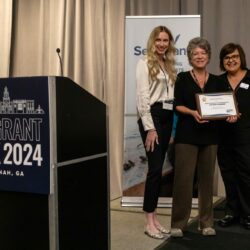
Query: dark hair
230	48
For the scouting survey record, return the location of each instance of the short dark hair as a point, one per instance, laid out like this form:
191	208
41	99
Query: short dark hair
230	48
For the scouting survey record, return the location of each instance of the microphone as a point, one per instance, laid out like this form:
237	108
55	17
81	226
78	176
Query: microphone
60	59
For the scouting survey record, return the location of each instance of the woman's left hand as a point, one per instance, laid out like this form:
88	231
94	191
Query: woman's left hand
232	118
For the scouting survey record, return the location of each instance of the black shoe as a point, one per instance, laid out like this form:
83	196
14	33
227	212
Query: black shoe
246	222
228	220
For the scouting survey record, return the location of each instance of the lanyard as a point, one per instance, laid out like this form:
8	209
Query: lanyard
164	73
197	82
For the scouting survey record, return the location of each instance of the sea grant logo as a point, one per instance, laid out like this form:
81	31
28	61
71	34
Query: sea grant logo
139	50
180	53
24	134
20	129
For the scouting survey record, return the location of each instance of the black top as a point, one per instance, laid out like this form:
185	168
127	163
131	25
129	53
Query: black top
239	132
188	130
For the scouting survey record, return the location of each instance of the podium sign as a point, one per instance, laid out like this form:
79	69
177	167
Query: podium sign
24	135
53	145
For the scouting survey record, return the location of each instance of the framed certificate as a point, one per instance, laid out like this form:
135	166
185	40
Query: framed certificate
219	105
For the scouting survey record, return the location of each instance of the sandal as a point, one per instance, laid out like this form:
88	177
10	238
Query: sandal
163	229
158	236
208	231
176	232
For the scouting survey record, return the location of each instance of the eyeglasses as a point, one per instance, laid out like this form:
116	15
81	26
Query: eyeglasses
233	57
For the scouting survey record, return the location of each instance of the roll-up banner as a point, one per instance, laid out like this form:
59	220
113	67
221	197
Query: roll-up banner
137	32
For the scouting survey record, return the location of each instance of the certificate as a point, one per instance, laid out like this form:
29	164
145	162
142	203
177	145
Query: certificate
218	105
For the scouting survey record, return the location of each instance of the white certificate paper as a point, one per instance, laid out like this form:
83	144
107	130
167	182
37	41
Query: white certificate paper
216	105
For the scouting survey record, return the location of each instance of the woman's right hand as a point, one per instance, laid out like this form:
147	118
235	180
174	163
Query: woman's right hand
151	138
194	113
197	117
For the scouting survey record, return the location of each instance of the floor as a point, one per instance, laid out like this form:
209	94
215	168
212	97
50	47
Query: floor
127	226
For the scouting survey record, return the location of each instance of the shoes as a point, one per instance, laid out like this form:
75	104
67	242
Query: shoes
163	229
157	236
246	222
176	232
208	231
228	220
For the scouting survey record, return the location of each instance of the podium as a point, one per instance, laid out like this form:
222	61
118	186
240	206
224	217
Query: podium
54	177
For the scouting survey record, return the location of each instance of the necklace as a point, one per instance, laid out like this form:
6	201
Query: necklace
199	83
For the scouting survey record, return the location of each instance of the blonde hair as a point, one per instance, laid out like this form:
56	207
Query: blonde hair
153	65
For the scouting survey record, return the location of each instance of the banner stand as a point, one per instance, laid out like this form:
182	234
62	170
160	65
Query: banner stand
138	28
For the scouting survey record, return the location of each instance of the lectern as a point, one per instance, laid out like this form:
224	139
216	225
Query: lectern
54	179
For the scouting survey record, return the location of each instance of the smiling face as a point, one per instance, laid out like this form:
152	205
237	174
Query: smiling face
232	62
199	58
161	44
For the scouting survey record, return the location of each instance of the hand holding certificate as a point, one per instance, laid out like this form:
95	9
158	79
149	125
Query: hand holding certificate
220	105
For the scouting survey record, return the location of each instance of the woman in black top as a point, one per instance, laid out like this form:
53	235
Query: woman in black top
234	149
196	142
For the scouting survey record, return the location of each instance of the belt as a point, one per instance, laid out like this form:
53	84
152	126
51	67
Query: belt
161	103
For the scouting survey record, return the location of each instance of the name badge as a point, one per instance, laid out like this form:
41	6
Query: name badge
168	105
244	85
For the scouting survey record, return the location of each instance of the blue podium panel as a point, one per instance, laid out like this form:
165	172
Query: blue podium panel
24	135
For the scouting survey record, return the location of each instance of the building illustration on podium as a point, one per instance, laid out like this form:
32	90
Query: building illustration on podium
18	106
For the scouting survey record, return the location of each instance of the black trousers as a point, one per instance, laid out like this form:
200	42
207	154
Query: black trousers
163	120
234	163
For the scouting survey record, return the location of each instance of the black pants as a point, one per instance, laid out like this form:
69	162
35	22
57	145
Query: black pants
163	120
234	163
